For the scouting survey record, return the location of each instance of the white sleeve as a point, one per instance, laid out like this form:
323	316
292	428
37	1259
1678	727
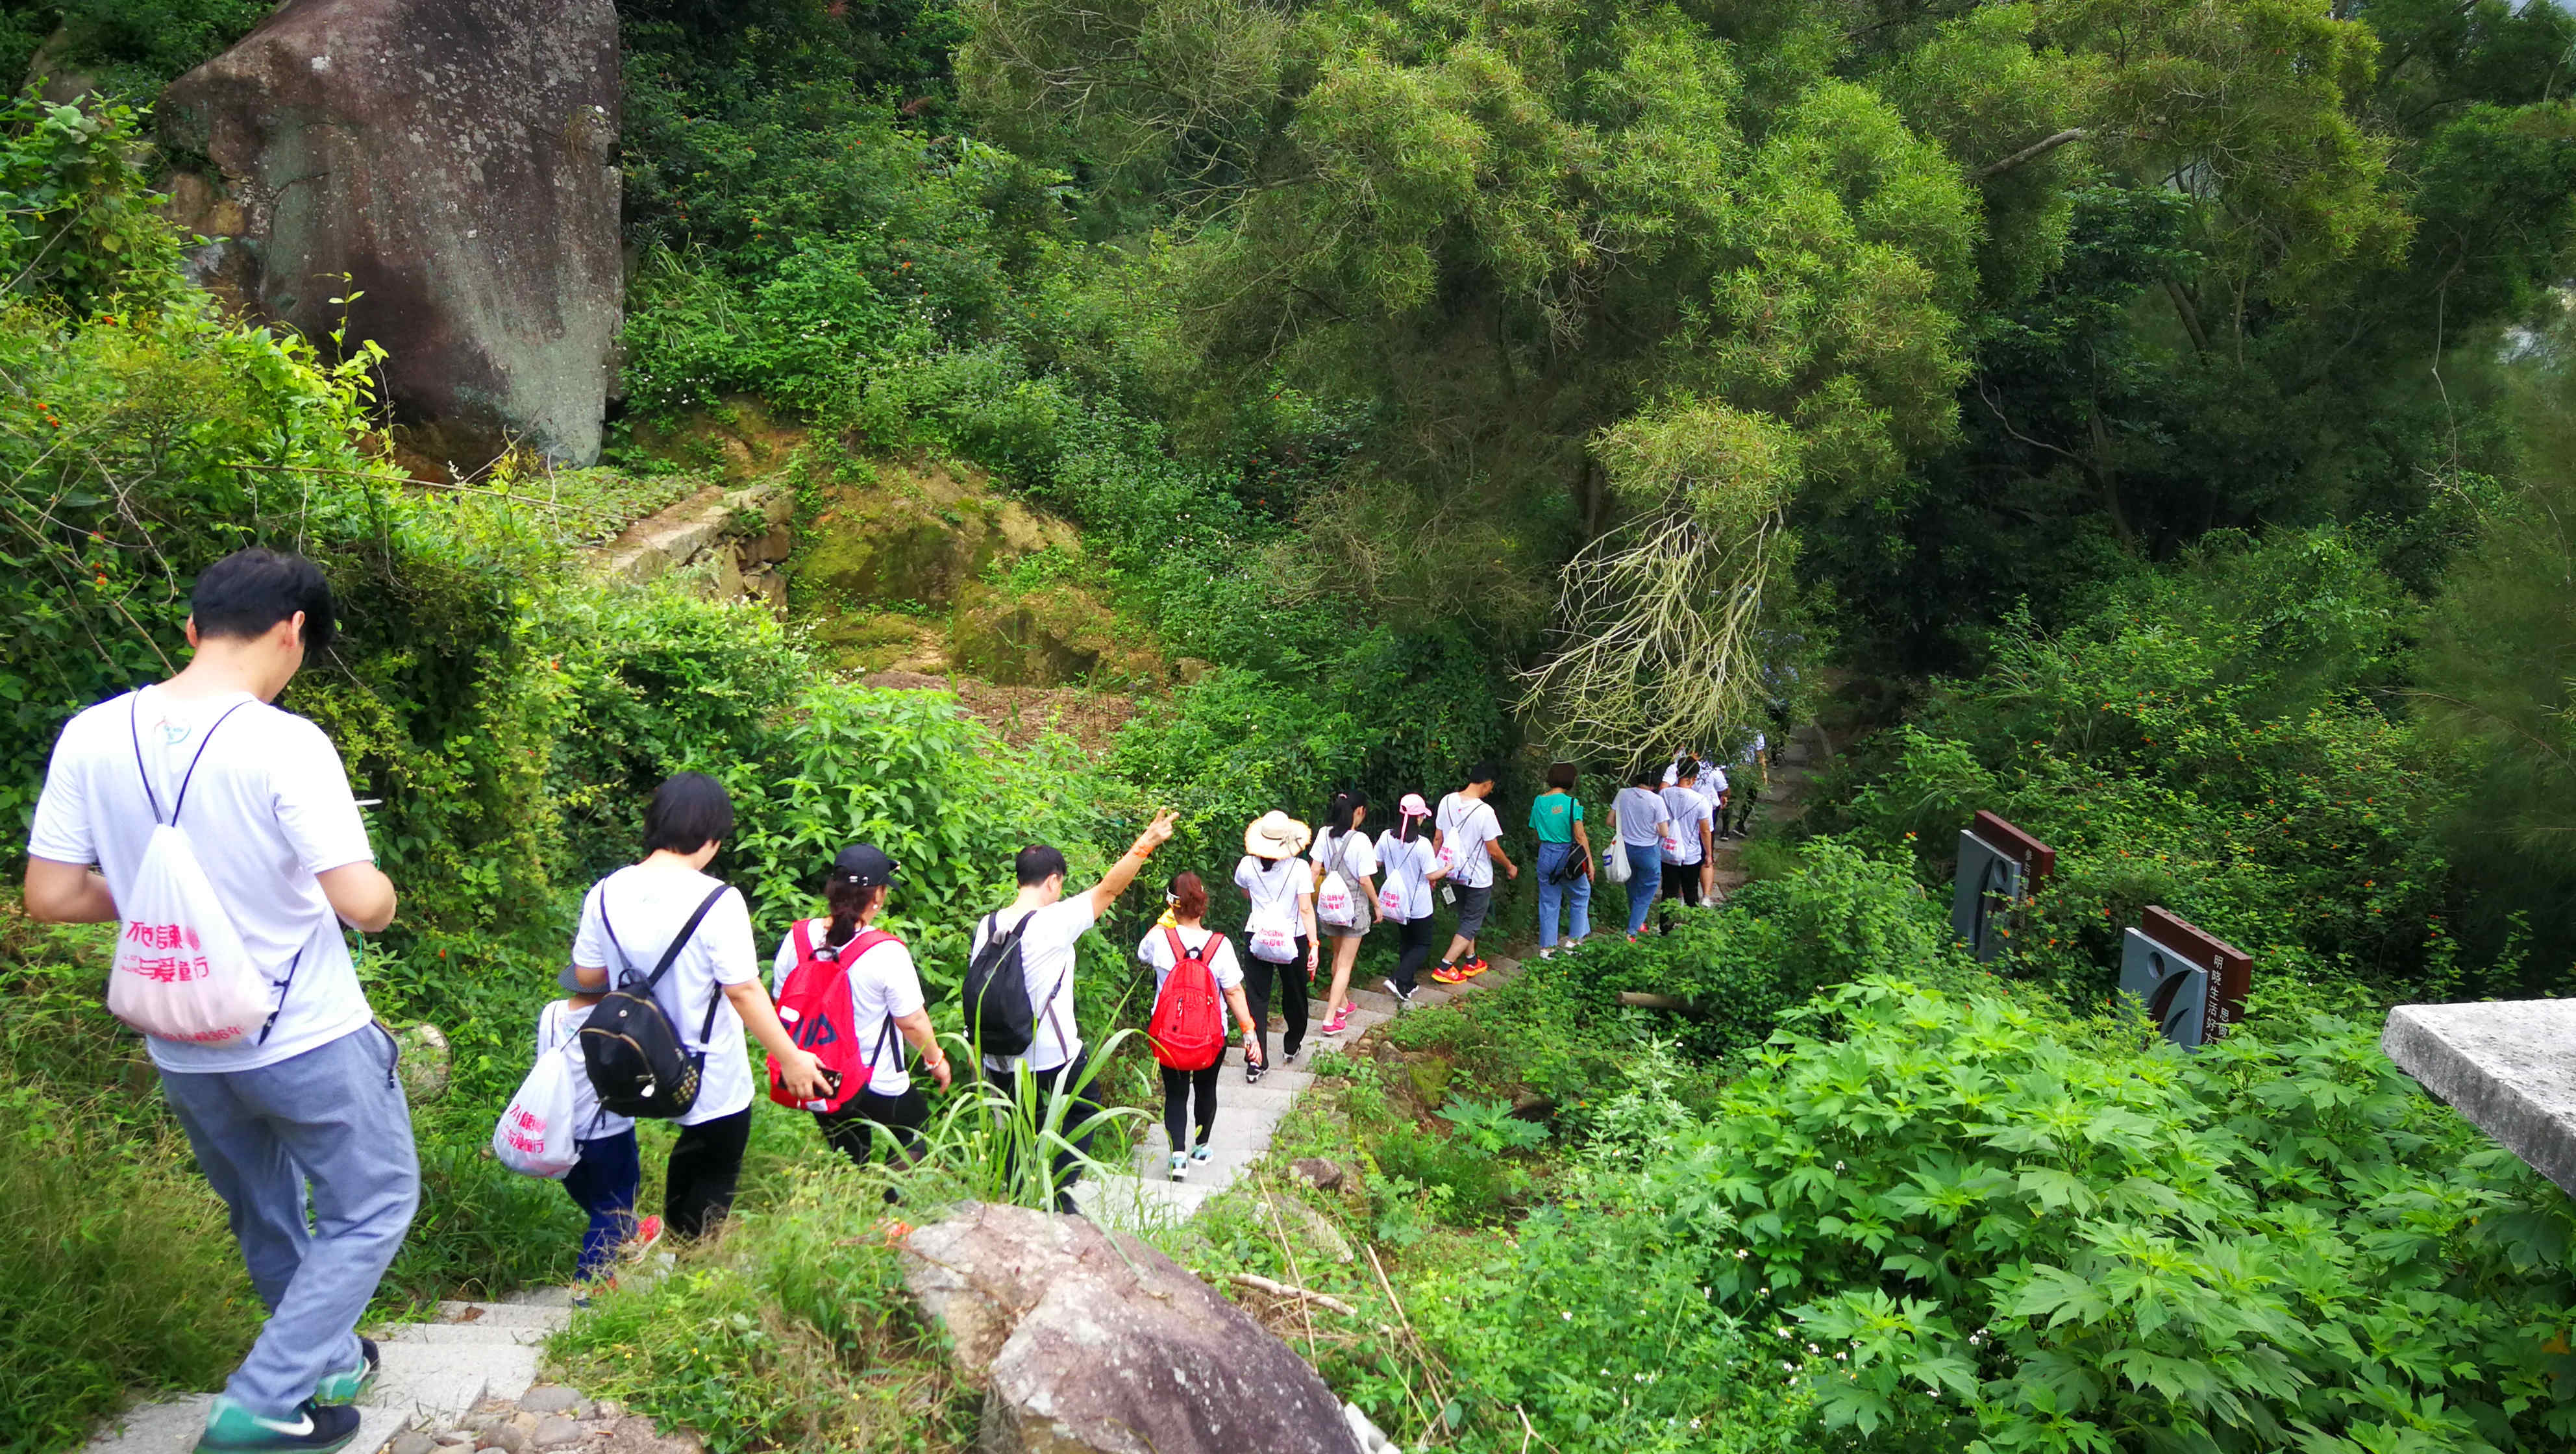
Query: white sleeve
725	938
1361	859
1146	946
902	981
61	831
1227	969
315	808
1244	874
590	941
783	963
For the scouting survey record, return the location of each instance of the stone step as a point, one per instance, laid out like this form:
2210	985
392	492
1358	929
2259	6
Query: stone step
1223	1164
1129	1203
510	1315
474	1334
440	1382
541	1297
173	1426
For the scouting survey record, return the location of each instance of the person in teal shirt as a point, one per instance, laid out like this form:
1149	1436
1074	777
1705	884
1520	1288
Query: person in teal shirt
1564	861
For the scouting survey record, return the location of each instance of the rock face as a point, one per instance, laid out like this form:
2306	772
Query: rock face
2509	1066
1089	1346
455	160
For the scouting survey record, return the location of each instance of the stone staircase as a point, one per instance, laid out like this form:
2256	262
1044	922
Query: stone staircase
434	1373
1249	1115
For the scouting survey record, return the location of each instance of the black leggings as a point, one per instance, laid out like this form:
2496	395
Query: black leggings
846	1130
706	1163
1080	1111
1681	881
1413	949
1180	1089
1259	975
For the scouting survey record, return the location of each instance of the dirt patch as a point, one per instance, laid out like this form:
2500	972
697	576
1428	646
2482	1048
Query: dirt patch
1021	715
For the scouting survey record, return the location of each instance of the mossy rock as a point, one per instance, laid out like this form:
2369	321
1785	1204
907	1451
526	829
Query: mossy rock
1049	636
920	534
873	641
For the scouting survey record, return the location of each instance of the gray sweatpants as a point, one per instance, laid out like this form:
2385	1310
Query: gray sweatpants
333	1117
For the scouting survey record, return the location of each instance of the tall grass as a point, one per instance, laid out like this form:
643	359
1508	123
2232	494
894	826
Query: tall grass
116	1270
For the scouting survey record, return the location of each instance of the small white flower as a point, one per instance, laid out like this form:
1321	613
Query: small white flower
1838	1166
1569	1317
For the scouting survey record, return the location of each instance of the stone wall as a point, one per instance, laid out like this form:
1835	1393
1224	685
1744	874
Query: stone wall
727	543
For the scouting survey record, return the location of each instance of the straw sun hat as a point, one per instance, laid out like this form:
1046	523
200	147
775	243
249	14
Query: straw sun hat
1276	835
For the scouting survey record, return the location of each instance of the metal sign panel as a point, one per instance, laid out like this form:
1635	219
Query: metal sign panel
1983	898
2231	970
2173	990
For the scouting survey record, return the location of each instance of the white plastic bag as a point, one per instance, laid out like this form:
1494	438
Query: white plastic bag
535	1135
1614	864
1337	905
181	972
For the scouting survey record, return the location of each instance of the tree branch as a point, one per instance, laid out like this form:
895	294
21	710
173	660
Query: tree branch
2028	154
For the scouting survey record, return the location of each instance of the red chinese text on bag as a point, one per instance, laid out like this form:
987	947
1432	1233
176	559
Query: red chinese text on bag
1188	1028
534	1136
816	1007
181	972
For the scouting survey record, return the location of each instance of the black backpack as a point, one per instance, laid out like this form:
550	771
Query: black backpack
999	1018
635	1057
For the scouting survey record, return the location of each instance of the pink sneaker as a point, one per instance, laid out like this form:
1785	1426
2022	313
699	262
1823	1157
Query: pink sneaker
1340	1021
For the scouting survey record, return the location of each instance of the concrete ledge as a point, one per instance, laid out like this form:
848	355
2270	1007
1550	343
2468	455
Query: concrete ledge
2509	1066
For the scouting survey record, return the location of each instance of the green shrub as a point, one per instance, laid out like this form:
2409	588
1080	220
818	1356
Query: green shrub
1985	1229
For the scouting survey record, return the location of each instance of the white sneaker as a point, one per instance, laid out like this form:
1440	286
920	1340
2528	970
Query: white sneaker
1180	1167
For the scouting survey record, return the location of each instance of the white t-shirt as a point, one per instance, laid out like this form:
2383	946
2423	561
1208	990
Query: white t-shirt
1155	950
1640	810
1686	809
1407	866
883	984
1352	853
646	905
268	810
1046	961
1753	749
1467	825
1274	892
1712	780
558	1028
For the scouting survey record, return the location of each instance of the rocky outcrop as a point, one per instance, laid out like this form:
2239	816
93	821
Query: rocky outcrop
1089	1345
729	541
448	166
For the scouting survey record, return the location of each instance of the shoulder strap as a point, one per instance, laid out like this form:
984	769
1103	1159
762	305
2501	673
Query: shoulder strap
803	934
679	941
134	731
1180	951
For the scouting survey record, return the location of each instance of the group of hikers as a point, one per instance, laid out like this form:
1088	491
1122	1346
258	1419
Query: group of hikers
234	966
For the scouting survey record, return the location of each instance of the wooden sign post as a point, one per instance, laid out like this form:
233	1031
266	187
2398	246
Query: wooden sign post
2231	970
2000	866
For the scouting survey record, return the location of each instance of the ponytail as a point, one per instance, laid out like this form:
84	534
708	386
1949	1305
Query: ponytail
848	901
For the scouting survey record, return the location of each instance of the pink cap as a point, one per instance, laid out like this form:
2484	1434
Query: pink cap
1414	807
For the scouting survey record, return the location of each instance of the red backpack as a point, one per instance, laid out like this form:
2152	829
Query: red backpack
815	1007
1188	1028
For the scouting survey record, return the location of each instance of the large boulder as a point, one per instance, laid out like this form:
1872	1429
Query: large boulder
455	161
1089	1345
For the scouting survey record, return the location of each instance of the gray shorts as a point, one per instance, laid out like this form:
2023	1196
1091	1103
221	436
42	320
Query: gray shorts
1345	931
1473	902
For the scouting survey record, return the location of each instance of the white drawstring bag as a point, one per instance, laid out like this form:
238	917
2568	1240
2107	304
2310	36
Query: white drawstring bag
1614	864
1338	905
181	972
534	1136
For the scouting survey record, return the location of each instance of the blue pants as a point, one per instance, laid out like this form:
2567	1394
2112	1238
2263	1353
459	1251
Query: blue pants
330	1124
1575	896
1645	871
604	1183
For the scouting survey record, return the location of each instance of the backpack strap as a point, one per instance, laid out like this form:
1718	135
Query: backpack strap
803	934
134	731
1180	951
859	945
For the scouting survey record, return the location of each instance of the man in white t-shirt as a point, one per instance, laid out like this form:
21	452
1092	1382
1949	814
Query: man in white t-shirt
1689	851
712	993
1049	925
312	1097
1468	838
1752	771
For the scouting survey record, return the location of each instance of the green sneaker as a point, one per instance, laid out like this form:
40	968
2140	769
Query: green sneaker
315	1429
350	1384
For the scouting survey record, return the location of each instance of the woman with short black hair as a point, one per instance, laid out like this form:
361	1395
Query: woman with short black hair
1564	861
1344	910
711	994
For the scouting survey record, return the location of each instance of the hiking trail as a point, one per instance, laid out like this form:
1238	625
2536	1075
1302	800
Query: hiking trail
1248	1116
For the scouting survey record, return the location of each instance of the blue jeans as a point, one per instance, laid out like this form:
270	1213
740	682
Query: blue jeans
330	1123
1576	896
1645	871
604	1183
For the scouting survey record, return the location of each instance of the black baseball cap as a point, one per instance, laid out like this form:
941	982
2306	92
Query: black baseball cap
864	864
